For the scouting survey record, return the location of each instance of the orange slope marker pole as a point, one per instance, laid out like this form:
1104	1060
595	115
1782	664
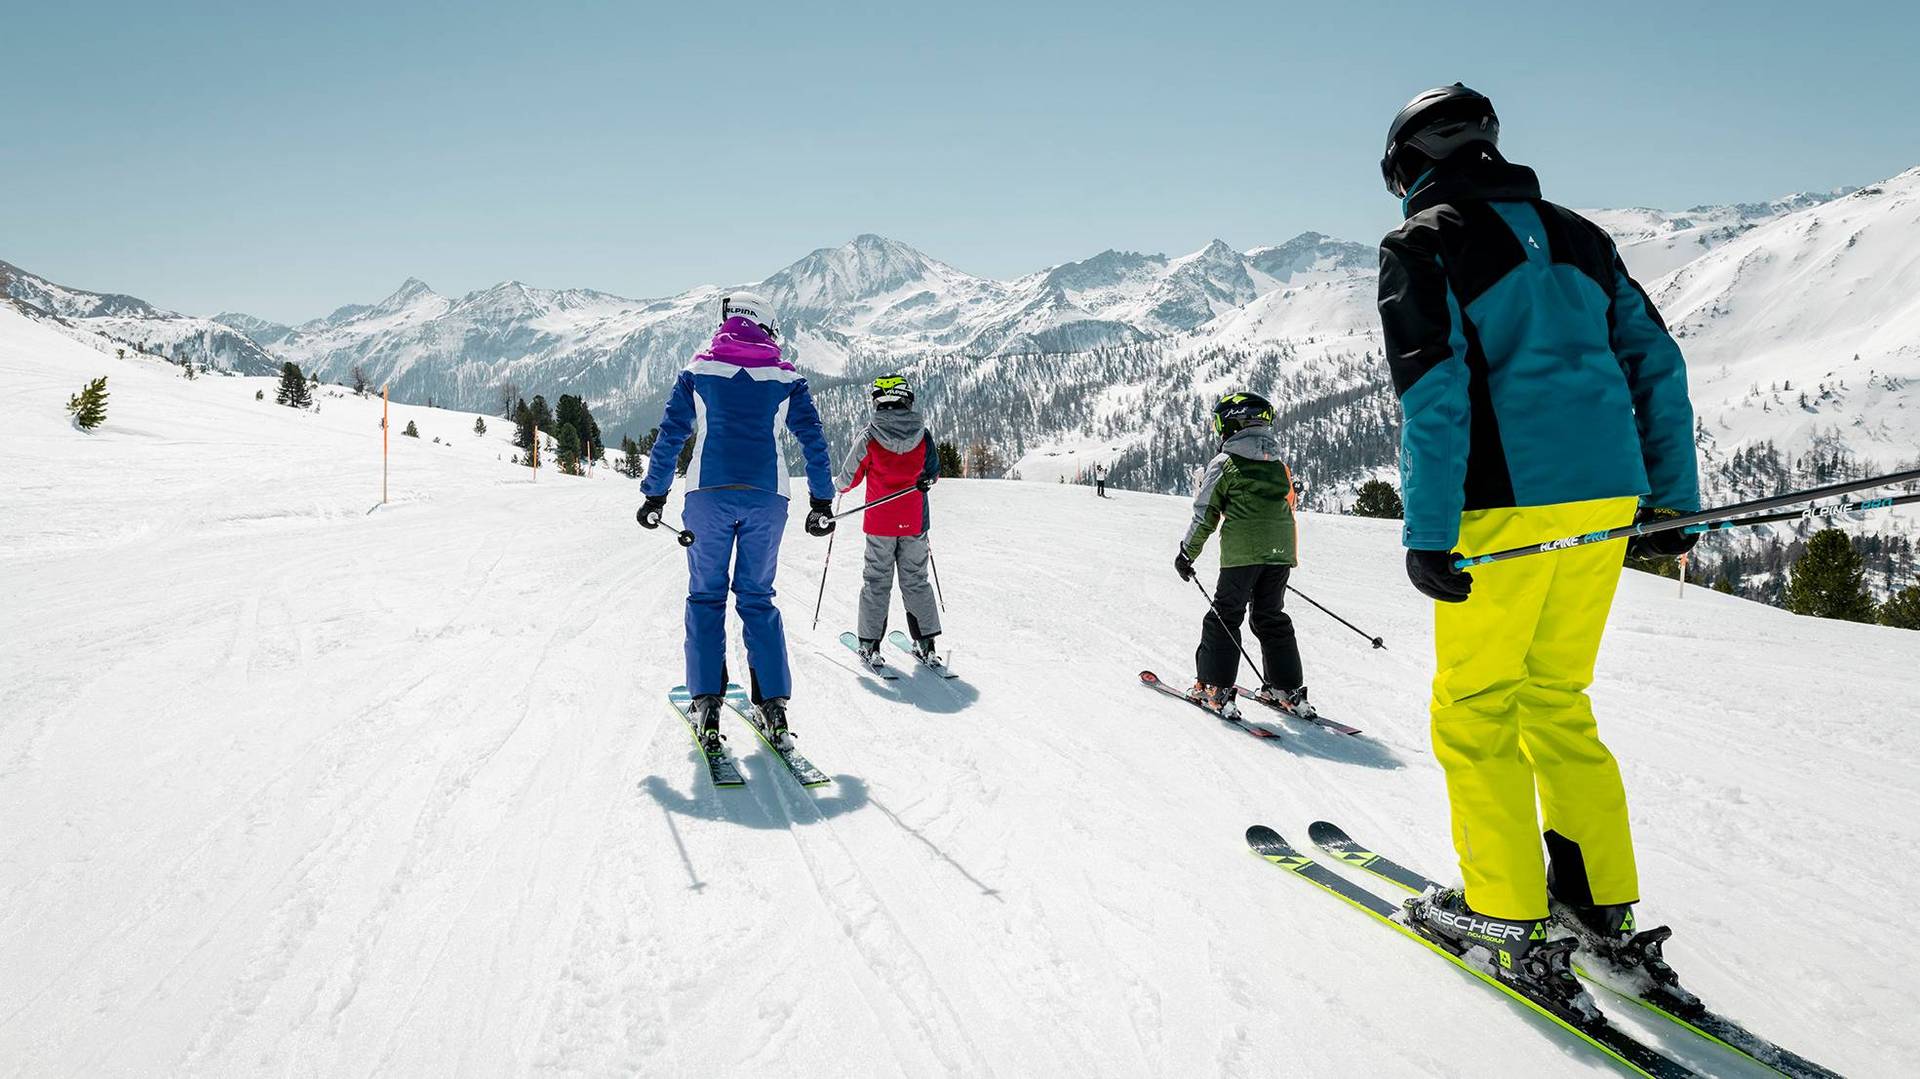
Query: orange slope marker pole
383	443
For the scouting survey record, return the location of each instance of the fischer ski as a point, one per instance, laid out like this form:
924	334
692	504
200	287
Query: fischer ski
1319	720
721	767
1681	1008
802	768
1152	681
1641	1059
874	665
936	664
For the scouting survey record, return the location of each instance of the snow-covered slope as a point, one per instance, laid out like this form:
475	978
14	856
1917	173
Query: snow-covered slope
1655	243
291	788
135	323
1811	325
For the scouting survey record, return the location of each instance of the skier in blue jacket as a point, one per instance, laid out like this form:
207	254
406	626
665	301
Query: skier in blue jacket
732	400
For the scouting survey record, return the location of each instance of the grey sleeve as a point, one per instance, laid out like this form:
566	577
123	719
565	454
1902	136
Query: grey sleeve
1206	514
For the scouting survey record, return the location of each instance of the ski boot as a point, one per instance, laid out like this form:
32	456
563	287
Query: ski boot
706	719
869	651
1215	699
773	722
1294	701
923	651
1517	953
1607	933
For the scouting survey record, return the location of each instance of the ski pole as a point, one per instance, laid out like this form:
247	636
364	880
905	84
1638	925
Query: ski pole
1377	642
935	567
1705	521
682	535
1257	669
881	501
1834	509
827	565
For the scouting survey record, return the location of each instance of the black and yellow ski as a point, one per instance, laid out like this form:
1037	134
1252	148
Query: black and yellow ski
1603	1036
1689	1014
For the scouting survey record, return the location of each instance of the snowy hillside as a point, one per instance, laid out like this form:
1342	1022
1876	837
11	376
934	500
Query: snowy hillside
1655	243
135	323
288	787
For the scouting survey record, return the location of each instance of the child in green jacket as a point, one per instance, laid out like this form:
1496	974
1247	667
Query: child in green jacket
1246	493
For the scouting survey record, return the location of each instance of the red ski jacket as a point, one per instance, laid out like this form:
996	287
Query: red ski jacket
886	472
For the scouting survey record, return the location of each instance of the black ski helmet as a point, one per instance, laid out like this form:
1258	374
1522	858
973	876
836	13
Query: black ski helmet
1431	128
1239	410
892	391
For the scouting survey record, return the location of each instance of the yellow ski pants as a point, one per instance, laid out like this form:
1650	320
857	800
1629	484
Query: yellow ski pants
1511	718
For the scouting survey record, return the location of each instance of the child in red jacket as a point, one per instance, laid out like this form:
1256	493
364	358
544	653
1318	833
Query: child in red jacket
897	454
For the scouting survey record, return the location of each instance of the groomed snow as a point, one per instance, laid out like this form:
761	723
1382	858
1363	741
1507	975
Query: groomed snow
291	788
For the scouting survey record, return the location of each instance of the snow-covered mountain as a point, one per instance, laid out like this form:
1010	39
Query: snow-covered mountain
869	300
1655	243
135	323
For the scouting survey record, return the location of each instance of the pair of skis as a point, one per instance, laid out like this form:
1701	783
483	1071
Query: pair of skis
1599	1033
1152	681
880	669
721	767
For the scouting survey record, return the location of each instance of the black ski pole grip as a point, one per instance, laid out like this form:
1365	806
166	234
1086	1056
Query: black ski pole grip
686	538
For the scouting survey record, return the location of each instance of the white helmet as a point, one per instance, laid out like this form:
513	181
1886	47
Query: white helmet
748	306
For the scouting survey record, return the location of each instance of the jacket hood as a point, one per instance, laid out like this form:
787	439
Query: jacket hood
1479	173
1254	443
897	429
743	343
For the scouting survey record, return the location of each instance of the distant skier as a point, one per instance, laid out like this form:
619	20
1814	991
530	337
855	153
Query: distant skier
1541	397
896	454
1100	479
1247	493
730	400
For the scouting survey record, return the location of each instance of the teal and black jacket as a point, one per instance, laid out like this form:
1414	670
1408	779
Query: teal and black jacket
1532	370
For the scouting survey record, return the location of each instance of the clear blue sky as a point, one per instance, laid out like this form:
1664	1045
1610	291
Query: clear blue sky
284	159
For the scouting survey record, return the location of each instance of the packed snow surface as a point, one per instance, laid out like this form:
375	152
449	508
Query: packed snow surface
289	787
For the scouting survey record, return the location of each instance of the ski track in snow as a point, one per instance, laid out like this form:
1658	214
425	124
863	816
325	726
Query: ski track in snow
290	787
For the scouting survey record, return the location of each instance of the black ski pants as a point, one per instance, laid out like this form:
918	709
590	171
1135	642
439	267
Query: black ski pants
1264	588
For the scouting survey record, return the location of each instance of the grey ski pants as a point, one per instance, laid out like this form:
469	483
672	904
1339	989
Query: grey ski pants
906	555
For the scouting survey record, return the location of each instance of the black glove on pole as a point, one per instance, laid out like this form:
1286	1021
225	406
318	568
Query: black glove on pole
650	518
1183	565
1669	544
820	517
1433	574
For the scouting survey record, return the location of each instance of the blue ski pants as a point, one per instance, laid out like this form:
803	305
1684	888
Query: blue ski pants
736	546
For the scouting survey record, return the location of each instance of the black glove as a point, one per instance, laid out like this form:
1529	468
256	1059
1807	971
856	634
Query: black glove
1433	574
924	483
1669	544
1183	565
650	510
819	516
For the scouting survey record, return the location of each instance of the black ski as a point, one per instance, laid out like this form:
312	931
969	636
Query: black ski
1641	1059
1152	681
802	768
720	766
1690	1014
875	666
1331	724
934	663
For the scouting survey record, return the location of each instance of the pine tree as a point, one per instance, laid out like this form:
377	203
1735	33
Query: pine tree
359	377
542	415
411	431
1829	581
950	464
89	406
1378	498
1902	609
293	390
479	425
522	426
630	456
568	457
